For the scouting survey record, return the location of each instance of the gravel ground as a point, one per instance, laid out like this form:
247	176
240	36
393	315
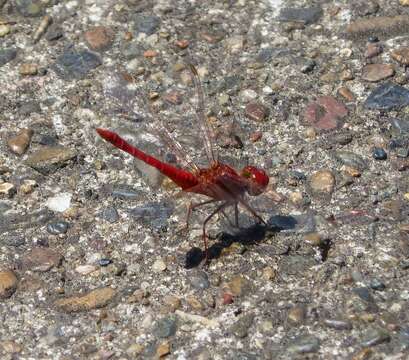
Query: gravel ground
93	260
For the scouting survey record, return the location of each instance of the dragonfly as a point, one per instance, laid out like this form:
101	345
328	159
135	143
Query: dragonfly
220	183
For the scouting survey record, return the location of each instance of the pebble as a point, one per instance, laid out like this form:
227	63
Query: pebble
165	327
10	347
41	259
325	113
174	97
247	95
58	227
182	43
94	299
375	337
199	280
30	8
346	93
387	96
146	24
163	349
404	2
307	15
372	50
74	64
173	302
235	44
377	72
304	345
351	159
338	324
194	302
376	284
86	269
239	286
8	283
386	25
256	111
297	314
4	29
241	327
7	55
379	154
49	159
7	190
322	181
54	32
401	55
110	214
159	266
104	262
99	38
28	69
363	354
59	202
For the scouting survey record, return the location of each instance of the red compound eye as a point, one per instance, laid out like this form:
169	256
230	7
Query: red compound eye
258	179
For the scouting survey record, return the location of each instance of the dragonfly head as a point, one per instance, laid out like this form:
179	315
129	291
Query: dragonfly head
257	180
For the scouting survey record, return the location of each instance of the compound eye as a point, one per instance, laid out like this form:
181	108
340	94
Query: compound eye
257	180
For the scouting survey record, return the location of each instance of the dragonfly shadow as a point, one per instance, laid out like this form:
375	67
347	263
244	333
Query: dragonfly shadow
248	236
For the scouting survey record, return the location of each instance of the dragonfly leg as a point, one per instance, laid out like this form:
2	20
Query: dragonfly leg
194	206
218	209
252	211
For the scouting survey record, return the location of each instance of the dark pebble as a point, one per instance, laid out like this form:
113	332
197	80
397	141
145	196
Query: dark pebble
282	222
351	159
304	344
306	15
74	64
376	284
265	55
338	324
104	262
199	280
48	140
379	154
29	107
58	227
146	24
165	327
110	214
387	96
54	32
402	153
6	55
373	39
404	264
364	294
375	337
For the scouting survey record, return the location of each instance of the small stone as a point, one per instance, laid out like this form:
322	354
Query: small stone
86	269
379	154
297	314
94	299
58	227
49	159
163	349
174	97
377	72
338	324
199	280
28	186
239	286
372	50
376	284
7	190
325	113
401	55
104	262
322	181
182	44
135	350
351	171
364	354
59	202
4	29
173	302
110	214
247	95
387	96
8	283
241	327
28	69
349	158
146	24
235	44
41	259
404	2
227	298
375	337
165	327
99	38
30	8
54	32
150	53
256	111
7	55
346	93
74	64
314	239
346	75
194	302
10	347
269	273
307	15
304	345
159	266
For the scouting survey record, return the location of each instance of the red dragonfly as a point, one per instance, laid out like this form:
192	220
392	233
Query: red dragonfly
219	182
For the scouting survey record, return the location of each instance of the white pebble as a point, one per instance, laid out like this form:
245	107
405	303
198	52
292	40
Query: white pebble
60	202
